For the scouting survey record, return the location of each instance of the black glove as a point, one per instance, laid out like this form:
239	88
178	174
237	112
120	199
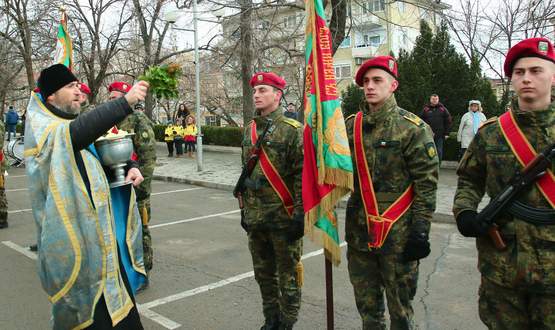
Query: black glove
469	226
243	223
295	230
417	246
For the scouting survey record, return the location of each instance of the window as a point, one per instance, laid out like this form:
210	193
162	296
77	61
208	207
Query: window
212	120
401	4
290	21
373	6
346	42
343	71
370	41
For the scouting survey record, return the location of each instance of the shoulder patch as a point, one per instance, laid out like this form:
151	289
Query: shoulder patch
413	118
292	122
489	121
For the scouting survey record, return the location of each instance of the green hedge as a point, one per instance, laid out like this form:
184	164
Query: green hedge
232	136
221	136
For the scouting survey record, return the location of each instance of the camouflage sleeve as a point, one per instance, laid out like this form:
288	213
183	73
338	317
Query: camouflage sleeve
422	164
144	142
297	157
472	177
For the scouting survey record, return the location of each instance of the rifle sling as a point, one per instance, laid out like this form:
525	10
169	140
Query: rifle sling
532	215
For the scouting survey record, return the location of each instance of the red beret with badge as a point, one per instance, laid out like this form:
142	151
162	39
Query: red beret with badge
119	86
268	78
533	47
386	63
84	89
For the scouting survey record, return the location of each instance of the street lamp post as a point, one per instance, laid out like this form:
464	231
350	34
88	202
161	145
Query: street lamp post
172	18
197	90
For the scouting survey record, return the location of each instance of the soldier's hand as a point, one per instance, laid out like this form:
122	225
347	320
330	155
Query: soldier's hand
137	93
469	226
134	176
295	230
243	222
418	245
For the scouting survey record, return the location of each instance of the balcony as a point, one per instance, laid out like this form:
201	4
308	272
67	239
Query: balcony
364	51
368	20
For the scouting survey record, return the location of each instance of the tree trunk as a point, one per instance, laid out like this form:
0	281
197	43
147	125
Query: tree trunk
337	23
246	59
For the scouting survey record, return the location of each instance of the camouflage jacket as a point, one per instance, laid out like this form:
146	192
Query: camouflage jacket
487	167
284	147
399	151
144	142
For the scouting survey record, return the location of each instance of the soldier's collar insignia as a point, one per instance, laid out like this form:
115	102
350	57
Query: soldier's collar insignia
542	47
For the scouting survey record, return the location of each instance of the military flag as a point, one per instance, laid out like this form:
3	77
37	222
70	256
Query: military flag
64	49
328	168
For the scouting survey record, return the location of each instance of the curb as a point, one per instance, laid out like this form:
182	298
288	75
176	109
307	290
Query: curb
206	147
437	217
206	184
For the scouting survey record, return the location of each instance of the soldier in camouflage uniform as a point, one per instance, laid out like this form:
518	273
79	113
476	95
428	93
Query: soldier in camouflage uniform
144	145
399	151
275	237
517	289
3	168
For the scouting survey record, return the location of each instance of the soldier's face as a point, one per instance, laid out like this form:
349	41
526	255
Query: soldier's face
67	98
378	86
434	100
265	97
532	79
115	95
83	98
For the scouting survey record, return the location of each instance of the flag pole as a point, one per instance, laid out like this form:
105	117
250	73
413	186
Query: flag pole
329	291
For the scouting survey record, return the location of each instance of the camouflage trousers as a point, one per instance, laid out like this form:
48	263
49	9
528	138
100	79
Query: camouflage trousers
507	308
373	273
275	260
3	201
143	203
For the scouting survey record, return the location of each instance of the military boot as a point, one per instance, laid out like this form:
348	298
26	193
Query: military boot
271	323
285	326
3	224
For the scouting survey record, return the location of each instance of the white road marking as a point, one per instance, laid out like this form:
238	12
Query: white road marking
174	191
204	288
13	190
16	176
26	252
19	211
193	219
163	321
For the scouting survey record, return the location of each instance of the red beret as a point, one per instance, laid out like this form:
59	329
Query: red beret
533	47
268	78
119	86
386	63
84	88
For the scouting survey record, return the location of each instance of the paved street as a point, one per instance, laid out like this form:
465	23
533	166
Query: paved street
202	277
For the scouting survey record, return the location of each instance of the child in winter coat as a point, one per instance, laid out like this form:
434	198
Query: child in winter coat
190	135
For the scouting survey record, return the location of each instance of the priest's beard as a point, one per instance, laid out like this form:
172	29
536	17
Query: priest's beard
68	108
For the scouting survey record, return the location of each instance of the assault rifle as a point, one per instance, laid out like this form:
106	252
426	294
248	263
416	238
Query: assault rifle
533	171
249	165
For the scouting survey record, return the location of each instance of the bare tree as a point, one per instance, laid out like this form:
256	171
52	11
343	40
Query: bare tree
98	42
28	23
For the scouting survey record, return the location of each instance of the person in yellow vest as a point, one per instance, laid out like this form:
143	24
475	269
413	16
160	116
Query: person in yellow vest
273	215
389	212
178	138
169	135
190	135
517	289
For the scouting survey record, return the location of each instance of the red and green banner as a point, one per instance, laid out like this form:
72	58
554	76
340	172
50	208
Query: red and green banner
64	49
328	168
